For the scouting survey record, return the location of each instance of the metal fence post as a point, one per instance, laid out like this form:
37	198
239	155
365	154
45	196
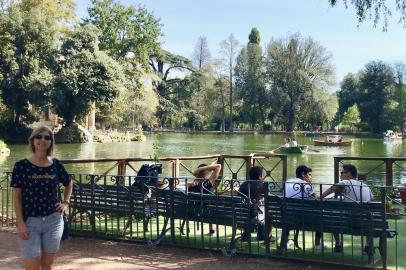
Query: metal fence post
389	172
172	187
383	240
267	218
93	212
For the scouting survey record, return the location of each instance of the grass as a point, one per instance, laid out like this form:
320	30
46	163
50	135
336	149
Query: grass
113	227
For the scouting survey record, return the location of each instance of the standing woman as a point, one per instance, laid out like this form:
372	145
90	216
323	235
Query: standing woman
35	182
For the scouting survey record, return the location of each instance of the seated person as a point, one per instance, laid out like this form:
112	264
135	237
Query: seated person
206	176
253	189
293	142
287	142
300	187
351	190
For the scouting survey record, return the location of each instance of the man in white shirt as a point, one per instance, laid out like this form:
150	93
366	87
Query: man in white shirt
351	190
301	187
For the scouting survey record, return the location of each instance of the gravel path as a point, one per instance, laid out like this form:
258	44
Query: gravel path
89	254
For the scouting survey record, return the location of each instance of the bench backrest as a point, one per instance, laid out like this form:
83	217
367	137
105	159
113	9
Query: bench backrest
208	208
107	198
327	215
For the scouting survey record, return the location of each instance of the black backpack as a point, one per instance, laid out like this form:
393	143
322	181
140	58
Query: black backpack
147	175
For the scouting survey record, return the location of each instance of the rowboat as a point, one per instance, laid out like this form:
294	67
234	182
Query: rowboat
293	149
332	140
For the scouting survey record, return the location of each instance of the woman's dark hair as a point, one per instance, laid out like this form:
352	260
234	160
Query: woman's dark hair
351	169
201	174
302	169
255	172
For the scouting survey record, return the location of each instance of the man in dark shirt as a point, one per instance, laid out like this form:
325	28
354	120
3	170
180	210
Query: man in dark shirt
253	189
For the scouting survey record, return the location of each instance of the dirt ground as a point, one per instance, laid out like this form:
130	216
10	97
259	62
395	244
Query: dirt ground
90	254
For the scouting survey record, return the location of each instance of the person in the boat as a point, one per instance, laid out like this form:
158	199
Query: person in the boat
287	142
301	188
340	139
293	142
206	176
351	190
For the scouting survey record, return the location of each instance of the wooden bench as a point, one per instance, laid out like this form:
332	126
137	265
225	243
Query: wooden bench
233	211
110	200
330	216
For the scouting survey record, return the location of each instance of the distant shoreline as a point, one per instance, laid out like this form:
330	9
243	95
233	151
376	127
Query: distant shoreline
253	132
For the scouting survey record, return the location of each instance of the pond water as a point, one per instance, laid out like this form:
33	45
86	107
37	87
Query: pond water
320	158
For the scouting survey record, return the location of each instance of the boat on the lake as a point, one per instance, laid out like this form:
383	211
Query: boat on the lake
391	135
333	140
293	149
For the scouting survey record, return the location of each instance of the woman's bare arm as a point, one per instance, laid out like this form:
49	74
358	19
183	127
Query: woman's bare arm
17	200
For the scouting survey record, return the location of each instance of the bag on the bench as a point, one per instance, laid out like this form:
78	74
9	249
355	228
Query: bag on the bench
147	175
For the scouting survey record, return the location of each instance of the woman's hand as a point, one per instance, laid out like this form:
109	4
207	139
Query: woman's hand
22	231
62	206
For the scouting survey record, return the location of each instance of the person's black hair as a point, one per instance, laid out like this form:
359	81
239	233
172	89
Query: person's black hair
255	172
302	169
351	169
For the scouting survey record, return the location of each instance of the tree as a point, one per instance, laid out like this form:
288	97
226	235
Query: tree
296	67
126	32
61	12
351	117
375	9
376	82
228	52
201	54
27	58
348	95
85	75
250	83
400	95
170	89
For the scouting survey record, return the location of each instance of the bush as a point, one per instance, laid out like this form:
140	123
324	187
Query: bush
14	134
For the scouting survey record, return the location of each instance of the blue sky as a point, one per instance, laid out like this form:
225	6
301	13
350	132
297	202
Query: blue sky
334	28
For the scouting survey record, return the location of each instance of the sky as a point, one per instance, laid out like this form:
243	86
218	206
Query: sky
336	29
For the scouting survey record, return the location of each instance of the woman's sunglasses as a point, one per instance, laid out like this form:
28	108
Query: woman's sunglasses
43	137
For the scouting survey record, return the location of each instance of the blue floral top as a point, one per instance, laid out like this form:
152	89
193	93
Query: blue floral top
39	186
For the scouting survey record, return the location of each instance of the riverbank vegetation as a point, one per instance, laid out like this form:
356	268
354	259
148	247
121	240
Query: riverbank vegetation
112	60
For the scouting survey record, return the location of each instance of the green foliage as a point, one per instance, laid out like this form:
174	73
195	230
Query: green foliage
299	71
376	10
126	32
376	82
85	75
348	95
27	53
250	84
254	37
351	117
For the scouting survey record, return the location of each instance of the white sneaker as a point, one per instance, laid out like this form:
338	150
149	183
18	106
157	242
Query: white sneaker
290	243
319	247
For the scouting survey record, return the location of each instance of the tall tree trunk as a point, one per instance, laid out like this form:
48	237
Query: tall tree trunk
231	128
291	120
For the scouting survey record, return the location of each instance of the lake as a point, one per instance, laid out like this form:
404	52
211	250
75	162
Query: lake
320	158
